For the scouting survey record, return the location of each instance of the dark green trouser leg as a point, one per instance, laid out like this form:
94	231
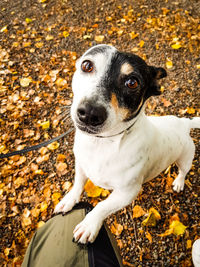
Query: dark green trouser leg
52	245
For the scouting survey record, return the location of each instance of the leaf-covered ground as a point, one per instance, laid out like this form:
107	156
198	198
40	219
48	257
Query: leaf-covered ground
39	44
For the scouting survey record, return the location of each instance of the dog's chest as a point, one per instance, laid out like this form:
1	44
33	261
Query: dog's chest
102	162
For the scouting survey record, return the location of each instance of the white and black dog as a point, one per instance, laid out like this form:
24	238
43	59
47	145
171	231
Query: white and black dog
116	145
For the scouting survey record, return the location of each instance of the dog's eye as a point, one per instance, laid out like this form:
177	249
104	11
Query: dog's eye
131	83
87	66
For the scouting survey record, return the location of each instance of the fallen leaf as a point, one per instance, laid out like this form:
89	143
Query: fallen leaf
133	35
39	44
116	228
138	211
60	82
65	34
92	190
45	124
148	236
61	167
176	45
141	44
190	110
28	20
43	206
99	38
56	198
53	146
176	228
152	218
169	64
24	82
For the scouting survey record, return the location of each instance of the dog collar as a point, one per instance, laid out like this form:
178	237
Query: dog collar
126	130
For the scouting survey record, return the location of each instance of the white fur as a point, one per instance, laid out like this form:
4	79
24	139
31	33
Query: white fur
124	162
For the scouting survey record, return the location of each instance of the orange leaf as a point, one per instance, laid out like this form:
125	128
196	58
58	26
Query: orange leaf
116	228
138	211
148	236
92	190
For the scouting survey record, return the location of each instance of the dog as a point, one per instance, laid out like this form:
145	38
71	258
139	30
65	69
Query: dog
116	145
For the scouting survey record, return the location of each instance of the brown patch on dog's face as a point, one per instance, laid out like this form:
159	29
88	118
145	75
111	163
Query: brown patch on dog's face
124	112
126	69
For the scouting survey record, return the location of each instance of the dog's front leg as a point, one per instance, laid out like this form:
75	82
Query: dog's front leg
73	197
87	230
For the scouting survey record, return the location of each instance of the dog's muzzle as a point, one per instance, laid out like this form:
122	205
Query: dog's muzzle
91	115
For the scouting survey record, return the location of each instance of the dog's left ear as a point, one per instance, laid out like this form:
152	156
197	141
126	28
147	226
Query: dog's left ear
158	73
155	75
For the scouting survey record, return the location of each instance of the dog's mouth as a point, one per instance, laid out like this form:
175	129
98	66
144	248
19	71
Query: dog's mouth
88	129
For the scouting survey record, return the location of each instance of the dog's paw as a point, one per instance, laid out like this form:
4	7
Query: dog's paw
66	204
86	231
178	184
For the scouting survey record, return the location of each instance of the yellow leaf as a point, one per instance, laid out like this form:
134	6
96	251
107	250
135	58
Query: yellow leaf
65	34
176	45
56	196
39	44
141	44
4	29
92	190
28	20
189	244
24	82
178	228
190	110
53	146
152	218
7	251
105	193
43	206
148	236
198	66
60	82
40	224
99	38
26	44
26	221
38	172
156	213
133	35
45	125
108	18
49	37
169	64
138	211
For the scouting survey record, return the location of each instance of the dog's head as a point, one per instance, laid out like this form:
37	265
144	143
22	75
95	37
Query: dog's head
110	87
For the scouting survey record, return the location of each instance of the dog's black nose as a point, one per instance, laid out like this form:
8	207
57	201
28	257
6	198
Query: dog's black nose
91	115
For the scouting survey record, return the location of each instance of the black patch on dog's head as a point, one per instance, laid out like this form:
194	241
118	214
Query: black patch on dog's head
114	82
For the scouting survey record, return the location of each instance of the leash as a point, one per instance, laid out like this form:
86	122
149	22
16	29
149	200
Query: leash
35	147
